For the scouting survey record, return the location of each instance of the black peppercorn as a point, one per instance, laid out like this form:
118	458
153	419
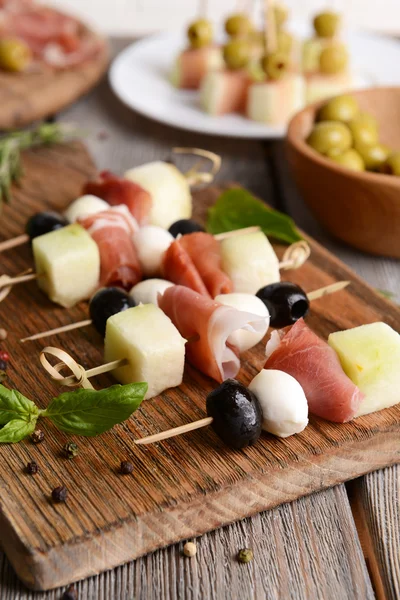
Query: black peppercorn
37	436
32	468
70	594
3	365
126	467
70	450
59	494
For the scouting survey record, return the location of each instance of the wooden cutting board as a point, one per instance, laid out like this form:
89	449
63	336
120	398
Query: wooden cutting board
31	96
182	487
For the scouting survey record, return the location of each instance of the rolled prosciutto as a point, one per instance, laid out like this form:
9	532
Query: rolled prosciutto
207	325
298	351
112	230
178	267
116	190
204	251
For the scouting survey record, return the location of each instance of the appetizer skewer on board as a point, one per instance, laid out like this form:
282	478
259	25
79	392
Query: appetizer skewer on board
143	190
210	335
354	374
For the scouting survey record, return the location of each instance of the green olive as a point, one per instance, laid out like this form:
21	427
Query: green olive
237	53
373	155
328	136
364	131
238	25
275	65
284	42
200	33
15	55
349	158
281	13
333	60
326	24
342	108
392	164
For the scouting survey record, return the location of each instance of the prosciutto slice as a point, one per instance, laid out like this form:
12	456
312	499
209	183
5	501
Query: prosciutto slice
299	352
178	267
116	190
207	325
204	251
112	230
53	37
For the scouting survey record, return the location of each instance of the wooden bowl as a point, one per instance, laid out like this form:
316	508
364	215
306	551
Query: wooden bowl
362	209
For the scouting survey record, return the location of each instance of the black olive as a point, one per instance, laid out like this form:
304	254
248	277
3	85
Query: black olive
184	226
286	302
107	302
236	414
44	222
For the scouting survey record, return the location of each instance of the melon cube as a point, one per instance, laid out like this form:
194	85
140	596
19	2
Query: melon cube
370	356
68	264
152	345
169	190
250	261
321	87
275	102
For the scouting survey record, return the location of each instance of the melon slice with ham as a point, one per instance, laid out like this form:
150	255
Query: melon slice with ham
193	64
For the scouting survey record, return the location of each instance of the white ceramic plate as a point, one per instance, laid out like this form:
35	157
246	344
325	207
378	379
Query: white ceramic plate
139	77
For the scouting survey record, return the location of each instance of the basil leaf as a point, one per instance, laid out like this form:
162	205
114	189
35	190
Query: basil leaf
237	208
16	430
91	412
13	405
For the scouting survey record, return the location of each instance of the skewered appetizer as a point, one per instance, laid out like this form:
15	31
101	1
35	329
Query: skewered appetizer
303	373
202	56
279	94
326	60
350	137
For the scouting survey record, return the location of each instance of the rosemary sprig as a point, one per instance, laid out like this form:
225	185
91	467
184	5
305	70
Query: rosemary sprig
12	144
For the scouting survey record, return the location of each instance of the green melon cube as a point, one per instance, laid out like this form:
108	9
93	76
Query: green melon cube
68	264
370	356
153	347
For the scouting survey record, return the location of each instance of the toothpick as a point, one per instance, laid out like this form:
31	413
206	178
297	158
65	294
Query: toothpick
270	30
328	289
21	279
163	435
70	327
17	241
193	177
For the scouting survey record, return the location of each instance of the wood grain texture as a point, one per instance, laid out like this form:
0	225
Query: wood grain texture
376	505
305	550
184	486
27	97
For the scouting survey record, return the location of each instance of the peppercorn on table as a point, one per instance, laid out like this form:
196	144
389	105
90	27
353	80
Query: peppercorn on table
343	542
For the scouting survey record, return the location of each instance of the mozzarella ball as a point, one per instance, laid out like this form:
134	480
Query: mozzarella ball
146	292
151	242
242	338
283	402
84	207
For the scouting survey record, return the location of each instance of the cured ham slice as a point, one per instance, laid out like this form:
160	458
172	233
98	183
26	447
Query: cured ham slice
112	230
53	37
178	267
116	190
299	352
193	64
207	325
204	251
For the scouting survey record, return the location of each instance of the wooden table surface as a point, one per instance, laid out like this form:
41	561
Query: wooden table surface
343	543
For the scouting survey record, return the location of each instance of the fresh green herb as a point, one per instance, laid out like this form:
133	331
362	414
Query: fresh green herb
237	208
82	412
386	294
13	143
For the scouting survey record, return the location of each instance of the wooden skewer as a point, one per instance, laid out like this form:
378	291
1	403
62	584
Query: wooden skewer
20	279
163	435
63	329
193	176
14	242
328	289
79	377
270	30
